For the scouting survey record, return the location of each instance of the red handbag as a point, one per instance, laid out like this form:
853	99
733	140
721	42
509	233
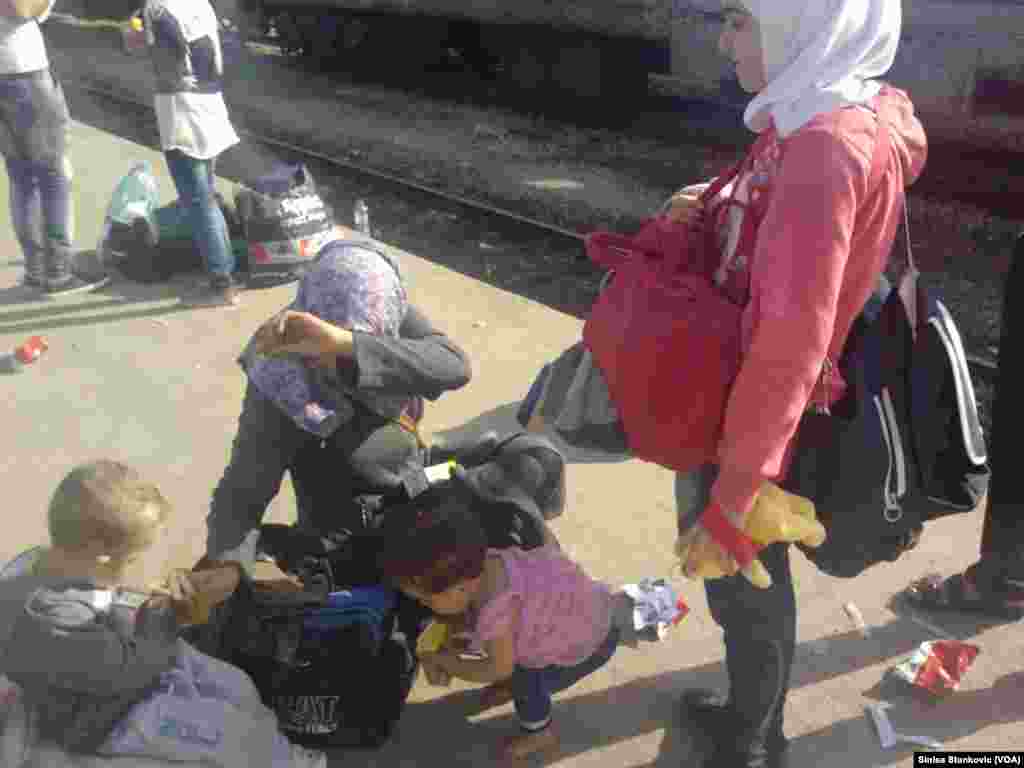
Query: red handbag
666	338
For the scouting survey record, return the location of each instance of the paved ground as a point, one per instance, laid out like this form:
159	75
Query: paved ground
129	376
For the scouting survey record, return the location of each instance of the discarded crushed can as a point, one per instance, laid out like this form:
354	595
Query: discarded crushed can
23	355
938	666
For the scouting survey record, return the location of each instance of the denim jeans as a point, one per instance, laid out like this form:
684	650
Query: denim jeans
34	138
193	178
532	688
760	635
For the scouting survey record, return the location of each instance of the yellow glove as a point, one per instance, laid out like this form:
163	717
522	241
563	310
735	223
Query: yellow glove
776	516
433	638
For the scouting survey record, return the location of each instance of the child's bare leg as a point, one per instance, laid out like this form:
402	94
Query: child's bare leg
526	743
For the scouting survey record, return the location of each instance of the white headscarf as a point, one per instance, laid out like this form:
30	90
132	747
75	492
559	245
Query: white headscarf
820	55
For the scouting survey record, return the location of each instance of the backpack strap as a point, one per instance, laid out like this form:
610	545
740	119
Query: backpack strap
879	164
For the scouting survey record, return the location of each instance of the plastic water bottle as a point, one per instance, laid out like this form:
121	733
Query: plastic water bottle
22	355
361	217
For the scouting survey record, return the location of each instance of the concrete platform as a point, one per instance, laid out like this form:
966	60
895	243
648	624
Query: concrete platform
131	377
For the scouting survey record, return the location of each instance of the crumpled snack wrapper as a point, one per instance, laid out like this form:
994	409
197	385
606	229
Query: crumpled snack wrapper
938	666
653	608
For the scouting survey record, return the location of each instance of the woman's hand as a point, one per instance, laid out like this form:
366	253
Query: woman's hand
683	207
301	333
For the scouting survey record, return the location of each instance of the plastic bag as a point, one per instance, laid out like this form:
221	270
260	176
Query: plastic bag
938	666
131	214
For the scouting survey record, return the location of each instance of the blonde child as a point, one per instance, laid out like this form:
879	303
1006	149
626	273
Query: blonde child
83	642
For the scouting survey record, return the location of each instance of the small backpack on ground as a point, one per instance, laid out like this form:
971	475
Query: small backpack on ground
285	221
335	659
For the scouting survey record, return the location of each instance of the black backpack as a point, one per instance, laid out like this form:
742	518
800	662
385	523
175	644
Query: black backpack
903	446
336	662
285	221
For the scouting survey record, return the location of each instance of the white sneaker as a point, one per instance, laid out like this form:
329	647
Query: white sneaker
308	758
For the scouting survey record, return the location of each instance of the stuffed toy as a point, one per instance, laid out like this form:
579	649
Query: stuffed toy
777	515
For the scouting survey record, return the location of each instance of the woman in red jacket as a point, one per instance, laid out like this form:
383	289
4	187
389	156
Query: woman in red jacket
813	217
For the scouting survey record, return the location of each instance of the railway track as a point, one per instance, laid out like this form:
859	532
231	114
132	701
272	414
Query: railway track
570	244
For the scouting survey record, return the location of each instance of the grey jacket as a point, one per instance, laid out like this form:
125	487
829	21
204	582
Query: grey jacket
422	362
81	659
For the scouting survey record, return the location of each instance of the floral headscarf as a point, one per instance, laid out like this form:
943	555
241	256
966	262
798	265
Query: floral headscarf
351	286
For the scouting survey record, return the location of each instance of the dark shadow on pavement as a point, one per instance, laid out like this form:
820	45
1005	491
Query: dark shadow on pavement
118	300
648	704
951	719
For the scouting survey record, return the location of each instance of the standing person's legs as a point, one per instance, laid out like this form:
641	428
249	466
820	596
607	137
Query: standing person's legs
1002	538
194	181
994	586
26	218
49	153
760	641
38	128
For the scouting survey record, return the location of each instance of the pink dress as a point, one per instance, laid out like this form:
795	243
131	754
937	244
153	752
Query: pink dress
557	613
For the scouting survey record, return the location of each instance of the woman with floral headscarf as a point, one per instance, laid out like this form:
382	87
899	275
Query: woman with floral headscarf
813	215
344	401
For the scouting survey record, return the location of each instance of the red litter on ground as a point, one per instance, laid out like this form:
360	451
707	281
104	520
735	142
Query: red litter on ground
30	351
938	666
22	355
683	609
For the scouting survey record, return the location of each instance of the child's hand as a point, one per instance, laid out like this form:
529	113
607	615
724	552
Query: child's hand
434	672
304	334
683	207
194	593
179	587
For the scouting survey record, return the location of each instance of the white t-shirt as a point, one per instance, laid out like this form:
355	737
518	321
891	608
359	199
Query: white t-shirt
195	123
22	48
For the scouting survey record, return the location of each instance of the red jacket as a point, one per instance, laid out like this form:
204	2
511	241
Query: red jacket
819	250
